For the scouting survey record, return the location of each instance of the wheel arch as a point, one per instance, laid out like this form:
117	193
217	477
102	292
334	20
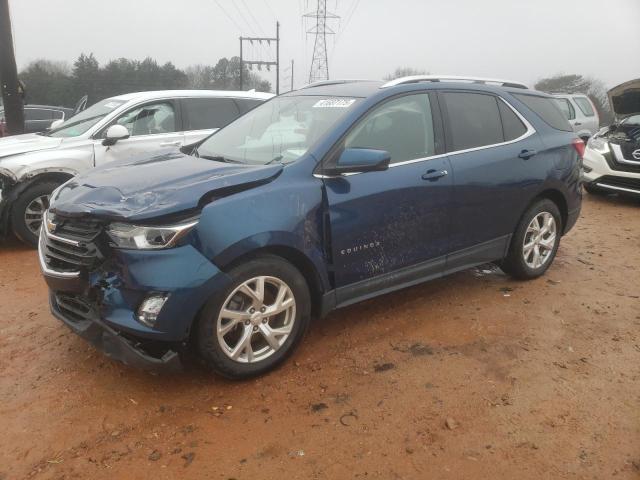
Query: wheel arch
295	257
557	197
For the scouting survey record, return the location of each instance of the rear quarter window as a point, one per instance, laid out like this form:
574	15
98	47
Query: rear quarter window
584	105
547	109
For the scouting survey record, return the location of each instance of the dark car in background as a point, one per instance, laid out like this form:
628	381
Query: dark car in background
38	118
314	200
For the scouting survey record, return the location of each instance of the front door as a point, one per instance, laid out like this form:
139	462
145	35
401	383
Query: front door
152	126
390	228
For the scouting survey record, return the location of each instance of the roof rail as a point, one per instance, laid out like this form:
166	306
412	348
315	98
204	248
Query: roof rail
323	83
453	78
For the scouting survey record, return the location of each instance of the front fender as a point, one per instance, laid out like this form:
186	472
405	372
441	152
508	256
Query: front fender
287	213
69	161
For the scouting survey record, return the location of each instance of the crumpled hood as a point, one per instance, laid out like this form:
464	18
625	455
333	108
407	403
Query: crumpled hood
625	99
153	187
31	142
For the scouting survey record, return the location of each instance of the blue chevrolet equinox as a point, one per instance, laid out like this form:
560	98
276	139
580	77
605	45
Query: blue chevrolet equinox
316	199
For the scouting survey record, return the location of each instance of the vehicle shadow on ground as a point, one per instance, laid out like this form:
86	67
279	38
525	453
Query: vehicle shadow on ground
615	199
11	244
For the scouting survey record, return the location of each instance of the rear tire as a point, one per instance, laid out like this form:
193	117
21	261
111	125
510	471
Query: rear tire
27	211
535	241
248	329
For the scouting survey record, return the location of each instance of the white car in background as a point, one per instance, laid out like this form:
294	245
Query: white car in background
33	165
612	158
581	113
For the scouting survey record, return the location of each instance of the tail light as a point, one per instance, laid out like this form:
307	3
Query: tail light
579	145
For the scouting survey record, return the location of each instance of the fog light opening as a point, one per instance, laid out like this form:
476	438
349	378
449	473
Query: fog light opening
150	309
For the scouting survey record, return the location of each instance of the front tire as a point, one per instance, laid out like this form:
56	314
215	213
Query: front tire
28	209
257	322
535	241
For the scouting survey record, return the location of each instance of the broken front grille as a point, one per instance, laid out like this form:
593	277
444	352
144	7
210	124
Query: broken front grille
74	307
69	245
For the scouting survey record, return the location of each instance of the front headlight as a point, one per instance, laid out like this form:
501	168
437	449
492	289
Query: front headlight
140	237
598	144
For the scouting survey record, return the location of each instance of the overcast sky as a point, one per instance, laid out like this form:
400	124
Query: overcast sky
513	39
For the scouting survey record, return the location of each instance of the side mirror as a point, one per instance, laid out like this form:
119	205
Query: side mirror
359	160
115	133
55	124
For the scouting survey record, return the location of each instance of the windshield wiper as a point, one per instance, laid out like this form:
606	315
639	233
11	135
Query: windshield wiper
218	158
273	160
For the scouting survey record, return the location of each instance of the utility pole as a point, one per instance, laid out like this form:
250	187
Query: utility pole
320	61
292	74
260	63
9	84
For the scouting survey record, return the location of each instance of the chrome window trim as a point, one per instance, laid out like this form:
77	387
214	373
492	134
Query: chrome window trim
530	131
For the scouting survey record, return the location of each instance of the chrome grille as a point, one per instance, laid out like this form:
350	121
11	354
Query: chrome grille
68	246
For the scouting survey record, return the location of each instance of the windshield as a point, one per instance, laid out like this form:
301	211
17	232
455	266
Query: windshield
632	120
281	130
83	121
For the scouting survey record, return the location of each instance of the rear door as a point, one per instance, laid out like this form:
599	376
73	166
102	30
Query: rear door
492	152
203	116
391	227
152	126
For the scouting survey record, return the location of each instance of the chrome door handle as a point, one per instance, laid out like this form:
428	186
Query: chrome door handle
432	175
171	144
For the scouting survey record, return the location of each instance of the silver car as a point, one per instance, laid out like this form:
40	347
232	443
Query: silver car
33	165
581	113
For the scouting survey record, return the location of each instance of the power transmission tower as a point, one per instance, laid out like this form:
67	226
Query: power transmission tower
320	61
260	63
12	91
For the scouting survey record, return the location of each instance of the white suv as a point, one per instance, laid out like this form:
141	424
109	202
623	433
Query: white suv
33	165
580	112
612	156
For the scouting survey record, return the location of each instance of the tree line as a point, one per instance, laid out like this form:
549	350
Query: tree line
58	83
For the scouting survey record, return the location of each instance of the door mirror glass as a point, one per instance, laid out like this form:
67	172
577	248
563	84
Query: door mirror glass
115	133
359	160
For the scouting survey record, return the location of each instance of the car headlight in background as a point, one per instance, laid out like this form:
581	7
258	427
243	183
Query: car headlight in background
598	144
140	237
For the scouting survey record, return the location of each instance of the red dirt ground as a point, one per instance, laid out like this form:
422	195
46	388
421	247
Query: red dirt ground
473	376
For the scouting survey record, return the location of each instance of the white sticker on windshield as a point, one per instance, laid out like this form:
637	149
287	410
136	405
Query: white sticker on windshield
111	105
335	103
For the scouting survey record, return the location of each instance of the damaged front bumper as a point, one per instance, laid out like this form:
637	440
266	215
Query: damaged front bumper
112	343
100	303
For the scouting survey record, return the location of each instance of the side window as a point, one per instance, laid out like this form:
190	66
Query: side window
585	106
208	113
37	114
57	115
511	124
403	127
246	104
546	109
150	119
474	120
566	107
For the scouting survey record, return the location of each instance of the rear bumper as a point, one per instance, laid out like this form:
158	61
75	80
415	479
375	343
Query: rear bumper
114	345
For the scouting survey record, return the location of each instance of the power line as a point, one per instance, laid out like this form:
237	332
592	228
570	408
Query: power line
228	16
253	17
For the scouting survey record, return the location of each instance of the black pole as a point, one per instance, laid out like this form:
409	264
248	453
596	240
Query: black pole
9	84
277	58
241	63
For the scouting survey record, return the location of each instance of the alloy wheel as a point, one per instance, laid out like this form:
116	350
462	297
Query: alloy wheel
34	212
256	319
539	240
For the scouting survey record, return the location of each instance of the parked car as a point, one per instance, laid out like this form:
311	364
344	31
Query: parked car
581	113
38	118
317	199
612	157
32	166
